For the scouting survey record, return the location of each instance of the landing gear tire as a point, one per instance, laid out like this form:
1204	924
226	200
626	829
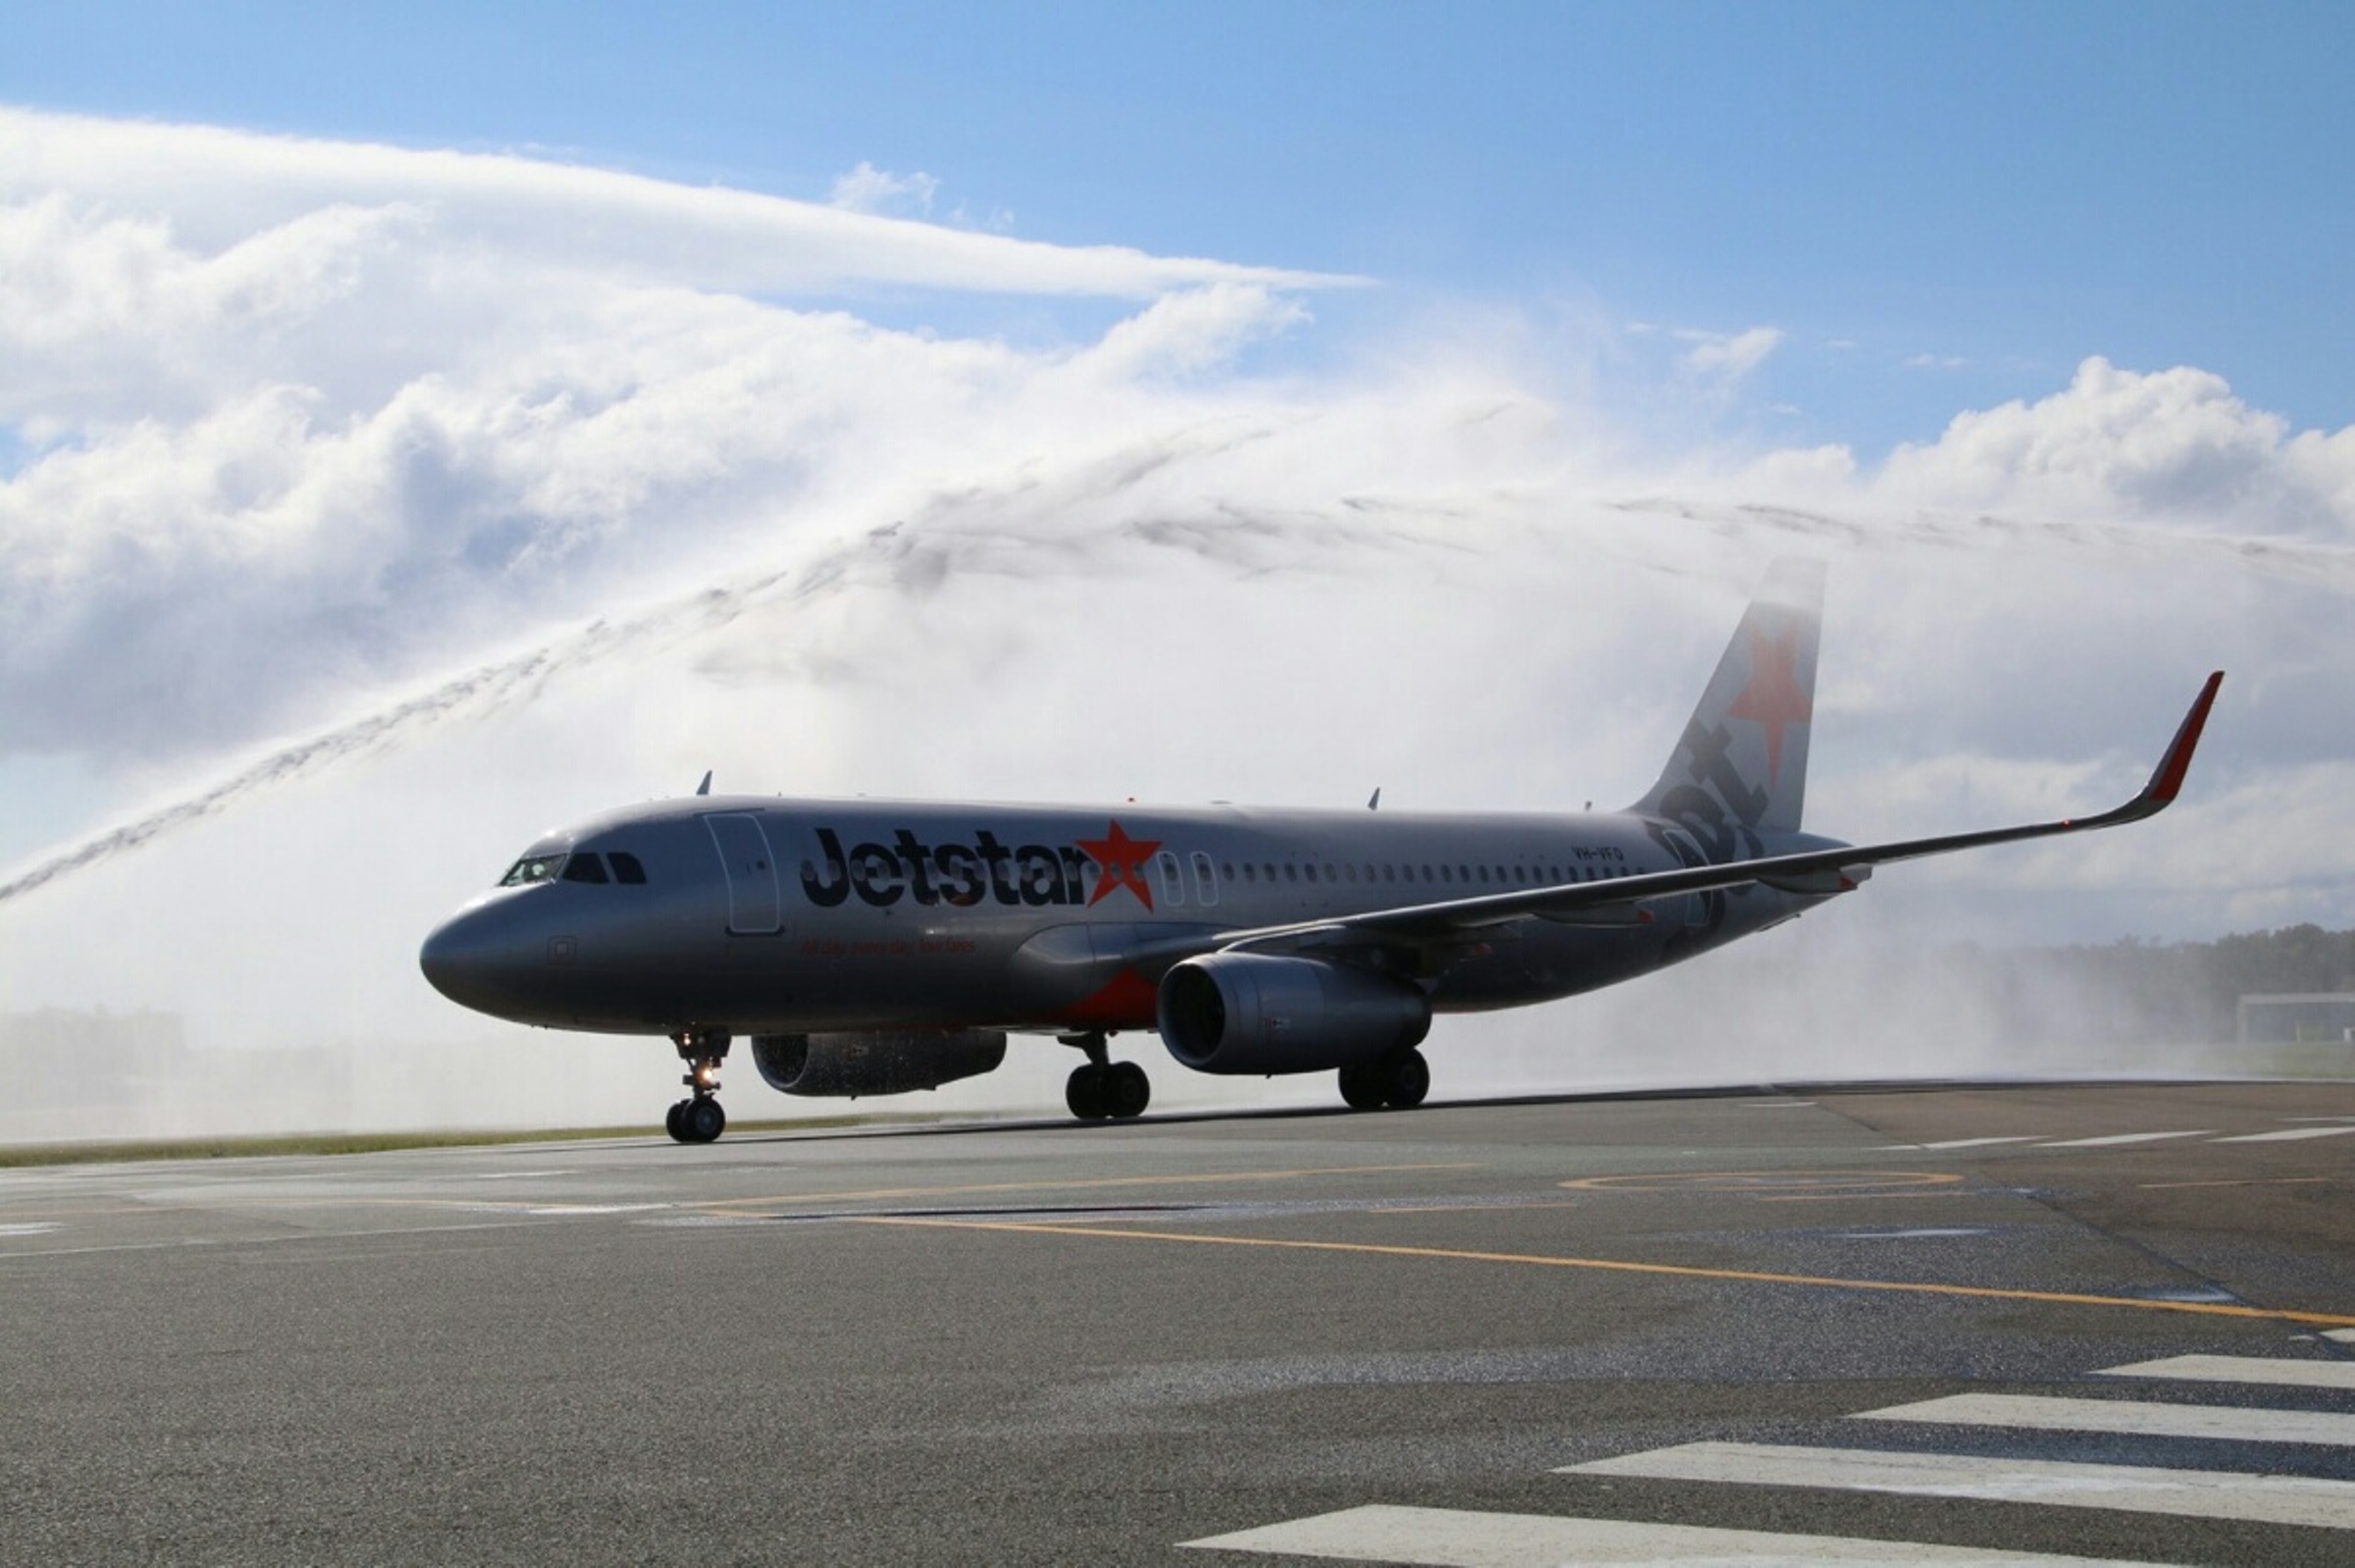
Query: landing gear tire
1398	1083
671	1124
1361	1085
1126	1091
1084	1092
1407	1080
703	1119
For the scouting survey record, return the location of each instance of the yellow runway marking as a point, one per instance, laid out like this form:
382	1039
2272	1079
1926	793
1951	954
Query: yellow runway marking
1465	1208
1770	1183
2241	1181
1851	1197
1622	1266
1092	1183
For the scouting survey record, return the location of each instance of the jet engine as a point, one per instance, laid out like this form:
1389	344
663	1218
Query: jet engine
1255	1012
875	1062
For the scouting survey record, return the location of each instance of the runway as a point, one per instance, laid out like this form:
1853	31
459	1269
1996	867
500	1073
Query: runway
2023	1323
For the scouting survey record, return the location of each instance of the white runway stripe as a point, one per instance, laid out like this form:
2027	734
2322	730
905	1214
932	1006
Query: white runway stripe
1980	1143
2200	1493
2127	1418
2244	1369
1446	1538
2345	1336
2128	1137
2288	1135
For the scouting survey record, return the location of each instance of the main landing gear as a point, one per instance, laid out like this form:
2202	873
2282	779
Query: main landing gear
1101	1088
698	1118
1398	1082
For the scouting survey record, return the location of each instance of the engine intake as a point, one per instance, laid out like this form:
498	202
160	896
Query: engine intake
1255	1012
875	1062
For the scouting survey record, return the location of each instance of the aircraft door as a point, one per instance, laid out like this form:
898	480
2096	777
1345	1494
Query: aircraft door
754	906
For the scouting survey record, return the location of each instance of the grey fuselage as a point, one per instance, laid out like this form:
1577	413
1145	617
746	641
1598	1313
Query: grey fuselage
760	916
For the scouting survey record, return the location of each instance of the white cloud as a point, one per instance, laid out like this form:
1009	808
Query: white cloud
213	188
867	188
2167	445
1728	359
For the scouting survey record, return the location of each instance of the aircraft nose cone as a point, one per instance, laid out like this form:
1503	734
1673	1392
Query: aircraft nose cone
466	959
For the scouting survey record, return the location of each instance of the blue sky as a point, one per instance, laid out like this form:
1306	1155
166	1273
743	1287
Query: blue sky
1939	206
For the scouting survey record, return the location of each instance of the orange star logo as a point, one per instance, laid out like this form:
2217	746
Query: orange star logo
1123	860
1774	698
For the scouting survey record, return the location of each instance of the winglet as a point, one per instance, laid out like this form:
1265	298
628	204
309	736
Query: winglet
2168	778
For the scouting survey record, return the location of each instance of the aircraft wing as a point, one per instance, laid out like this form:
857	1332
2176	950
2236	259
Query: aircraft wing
1838	870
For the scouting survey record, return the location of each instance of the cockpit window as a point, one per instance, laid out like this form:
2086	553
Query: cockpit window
584	868
626	867
532	868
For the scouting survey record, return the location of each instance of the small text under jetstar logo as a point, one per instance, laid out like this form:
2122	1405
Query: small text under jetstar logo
965	874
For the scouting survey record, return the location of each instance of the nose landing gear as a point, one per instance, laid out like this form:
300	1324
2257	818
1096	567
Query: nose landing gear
698	1118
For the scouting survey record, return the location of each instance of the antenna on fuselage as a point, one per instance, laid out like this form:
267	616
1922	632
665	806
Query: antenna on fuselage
1373	801
705	788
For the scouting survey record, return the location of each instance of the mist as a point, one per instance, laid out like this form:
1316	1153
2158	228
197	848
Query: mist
359	520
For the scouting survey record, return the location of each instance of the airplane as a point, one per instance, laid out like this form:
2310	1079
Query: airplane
880	947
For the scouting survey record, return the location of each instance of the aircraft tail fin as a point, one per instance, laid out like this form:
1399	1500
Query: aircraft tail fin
1740	768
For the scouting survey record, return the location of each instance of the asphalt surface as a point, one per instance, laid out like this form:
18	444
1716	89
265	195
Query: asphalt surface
1056	1344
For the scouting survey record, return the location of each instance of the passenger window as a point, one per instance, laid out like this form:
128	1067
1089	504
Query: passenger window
1172	881
1292	872
627	868
1250	873
584	868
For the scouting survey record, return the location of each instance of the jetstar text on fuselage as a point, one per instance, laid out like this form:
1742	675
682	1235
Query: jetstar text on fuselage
987	869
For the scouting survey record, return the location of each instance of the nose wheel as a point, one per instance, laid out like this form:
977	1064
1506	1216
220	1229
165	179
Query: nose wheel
698	1118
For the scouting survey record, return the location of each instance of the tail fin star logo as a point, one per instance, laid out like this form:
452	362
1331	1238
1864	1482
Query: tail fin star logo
1123	860
1774	698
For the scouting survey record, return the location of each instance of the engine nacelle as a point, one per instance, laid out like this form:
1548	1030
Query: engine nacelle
1255	1012
875	1062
